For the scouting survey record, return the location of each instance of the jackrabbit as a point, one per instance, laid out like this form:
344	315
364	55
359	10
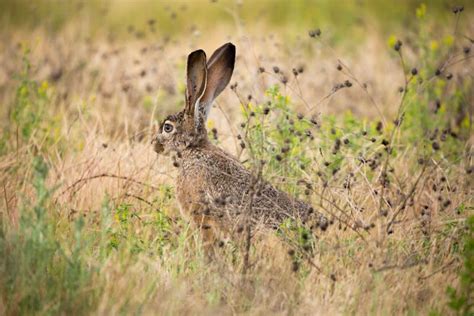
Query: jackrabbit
213	187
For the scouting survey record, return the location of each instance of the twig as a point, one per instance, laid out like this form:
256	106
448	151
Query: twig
138	198
337	217
405	200
105	175
6	200
351	75
248	232
406	265
226	117
437	271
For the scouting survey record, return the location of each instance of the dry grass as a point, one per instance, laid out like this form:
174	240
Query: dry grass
103	99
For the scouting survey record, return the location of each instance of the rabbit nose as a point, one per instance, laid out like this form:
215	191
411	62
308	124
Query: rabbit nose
157	145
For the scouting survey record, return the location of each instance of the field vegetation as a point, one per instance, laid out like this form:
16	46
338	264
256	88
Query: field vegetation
362	108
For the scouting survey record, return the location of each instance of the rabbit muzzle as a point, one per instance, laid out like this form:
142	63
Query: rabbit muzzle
157	145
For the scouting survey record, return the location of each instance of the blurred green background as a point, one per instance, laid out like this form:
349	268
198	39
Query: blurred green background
117	18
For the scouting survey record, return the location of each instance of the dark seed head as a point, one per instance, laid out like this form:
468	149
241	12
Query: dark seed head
295	266
414	71
398	45
458	9
323	225
314	33
305	236
379	126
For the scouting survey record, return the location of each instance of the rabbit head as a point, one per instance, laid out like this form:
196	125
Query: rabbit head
205	81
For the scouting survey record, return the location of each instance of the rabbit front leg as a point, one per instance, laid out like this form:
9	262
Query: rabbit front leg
208	228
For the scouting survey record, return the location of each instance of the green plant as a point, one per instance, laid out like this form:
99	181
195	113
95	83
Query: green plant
277	135
461	300
40	274
31	114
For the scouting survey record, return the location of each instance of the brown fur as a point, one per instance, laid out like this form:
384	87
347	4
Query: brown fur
213	187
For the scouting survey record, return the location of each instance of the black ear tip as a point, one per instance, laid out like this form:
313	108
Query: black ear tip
231	47
230	52
228	48
197	54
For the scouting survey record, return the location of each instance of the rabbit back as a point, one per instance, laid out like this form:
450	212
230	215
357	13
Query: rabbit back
215	184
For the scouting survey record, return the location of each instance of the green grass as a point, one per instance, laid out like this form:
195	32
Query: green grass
89	221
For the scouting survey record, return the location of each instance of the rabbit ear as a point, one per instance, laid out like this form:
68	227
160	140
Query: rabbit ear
219	71
196	80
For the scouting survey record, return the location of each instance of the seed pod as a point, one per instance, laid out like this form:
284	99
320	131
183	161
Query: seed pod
398	45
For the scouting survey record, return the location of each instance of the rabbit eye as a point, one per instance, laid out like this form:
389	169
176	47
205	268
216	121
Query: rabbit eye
168	128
